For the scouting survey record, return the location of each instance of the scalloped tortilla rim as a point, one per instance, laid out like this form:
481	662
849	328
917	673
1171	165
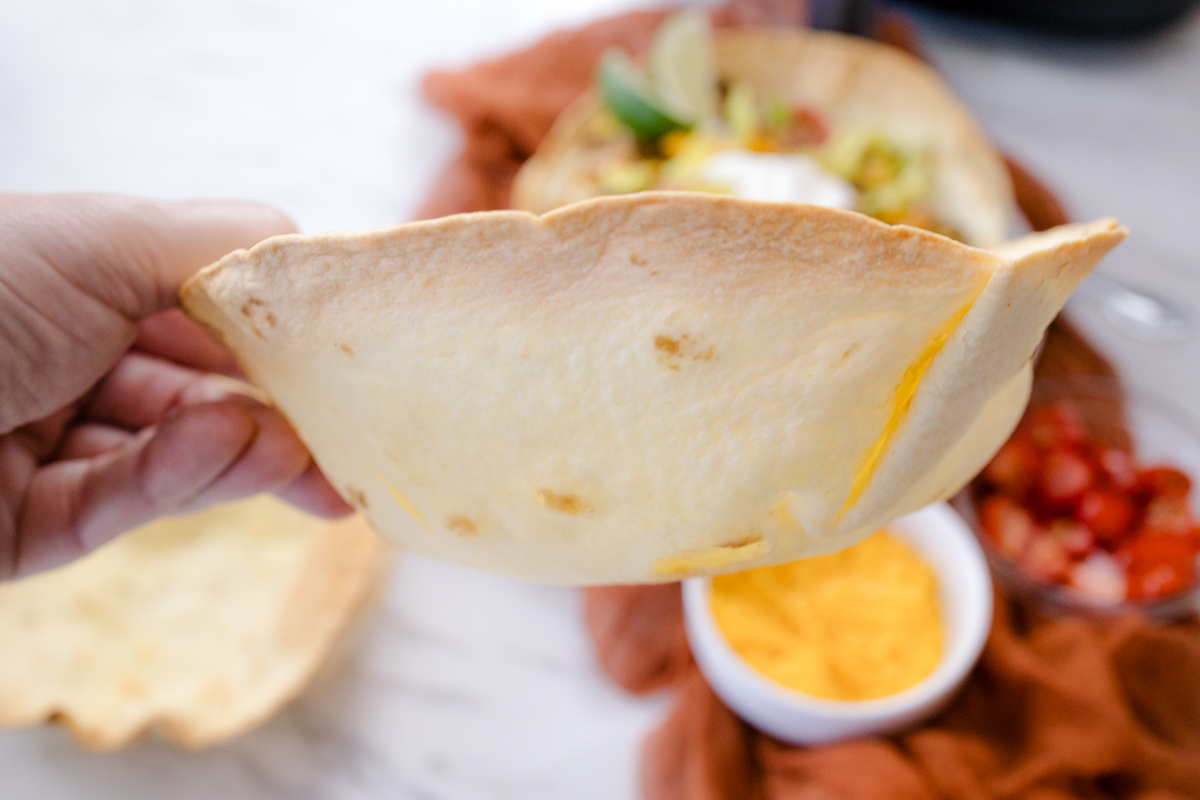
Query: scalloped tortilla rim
641	388
195	628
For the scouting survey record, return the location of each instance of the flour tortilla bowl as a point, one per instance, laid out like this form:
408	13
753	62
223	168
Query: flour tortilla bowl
643	388
196	628
851	83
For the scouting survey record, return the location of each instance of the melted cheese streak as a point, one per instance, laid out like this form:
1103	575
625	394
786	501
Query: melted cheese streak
899	404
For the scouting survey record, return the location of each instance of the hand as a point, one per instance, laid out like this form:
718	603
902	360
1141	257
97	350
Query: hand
109	416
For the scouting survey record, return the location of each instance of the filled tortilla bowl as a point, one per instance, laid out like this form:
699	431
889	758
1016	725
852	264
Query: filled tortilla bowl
777	114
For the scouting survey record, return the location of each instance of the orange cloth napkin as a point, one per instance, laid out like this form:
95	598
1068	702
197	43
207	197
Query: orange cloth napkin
1056	709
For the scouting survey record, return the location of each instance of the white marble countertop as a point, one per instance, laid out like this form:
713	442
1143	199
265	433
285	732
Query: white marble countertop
466	685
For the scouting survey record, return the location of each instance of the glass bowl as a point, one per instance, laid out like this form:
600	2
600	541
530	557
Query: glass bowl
1158	433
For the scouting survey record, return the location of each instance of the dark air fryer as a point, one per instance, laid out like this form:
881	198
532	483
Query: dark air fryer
1107	18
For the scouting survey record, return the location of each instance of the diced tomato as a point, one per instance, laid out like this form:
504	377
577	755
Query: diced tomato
1088	516
1053	425
1149	547
1078	540
1169	515
1118	467
1046	559
1099	577
1007	524
806	130
1066	475
1158	581
1164	482
1014	469
1108	513
1187	538
1158	564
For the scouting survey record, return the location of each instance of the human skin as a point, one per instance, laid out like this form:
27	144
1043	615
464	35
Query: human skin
112	411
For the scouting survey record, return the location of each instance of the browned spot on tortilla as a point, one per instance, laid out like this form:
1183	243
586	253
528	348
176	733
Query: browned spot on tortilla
248	313
636	259
666	344
463	526
357	497
345	348
851	350
672	352
565	503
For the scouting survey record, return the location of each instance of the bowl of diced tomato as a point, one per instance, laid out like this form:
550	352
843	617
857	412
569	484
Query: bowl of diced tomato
1089	506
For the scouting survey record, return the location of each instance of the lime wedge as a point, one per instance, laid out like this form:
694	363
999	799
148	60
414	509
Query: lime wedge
683	69
741	111
627	94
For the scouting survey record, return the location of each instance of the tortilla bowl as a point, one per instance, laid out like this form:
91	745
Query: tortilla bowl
194	628
643	388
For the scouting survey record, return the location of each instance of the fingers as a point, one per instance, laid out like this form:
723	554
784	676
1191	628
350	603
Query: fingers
79	272
273	458
172	336
18	465
201	454
140	389
42	437
90	440
312	493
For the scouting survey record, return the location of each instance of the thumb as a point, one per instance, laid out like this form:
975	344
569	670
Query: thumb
89	267
133	254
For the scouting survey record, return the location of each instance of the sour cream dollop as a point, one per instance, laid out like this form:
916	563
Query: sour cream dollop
778	178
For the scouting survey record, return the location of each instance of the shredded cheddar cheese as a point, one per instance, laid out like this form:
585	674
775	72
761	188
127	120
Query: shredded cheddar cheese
856	625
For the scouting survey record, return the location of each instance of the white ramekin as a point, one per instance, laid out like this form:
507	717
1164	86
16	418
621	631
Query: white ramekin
947	544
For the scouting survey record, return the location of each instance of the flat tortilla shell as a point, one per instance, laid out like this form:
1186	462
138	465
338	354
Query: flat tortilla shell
641	388
853	83
197	627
